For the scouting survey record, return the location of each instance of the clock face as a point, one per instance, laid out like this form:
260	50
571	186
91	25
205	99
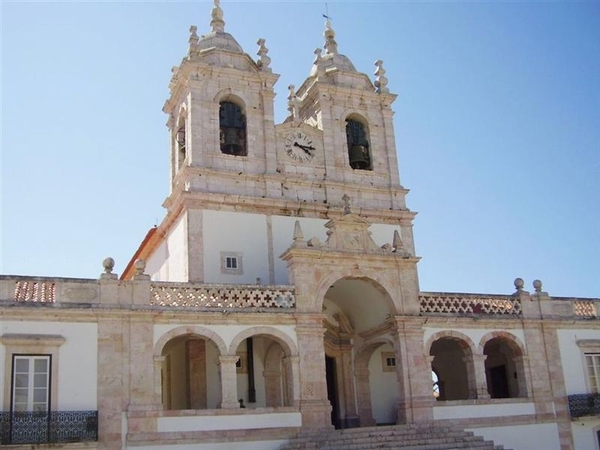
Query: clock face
299	146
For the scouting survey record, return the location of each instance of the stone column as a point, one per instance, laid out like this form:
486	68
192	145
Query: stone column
159	367
523	384
228	375
478	387
314	405
414	372
351	416
363	391
292	381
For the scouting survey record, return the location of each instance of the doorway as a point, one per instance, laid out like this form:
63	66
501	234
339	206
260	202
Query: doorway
332	393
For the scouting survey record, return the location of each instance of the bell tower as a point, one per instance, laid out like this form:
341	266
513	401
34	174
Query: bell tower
220	111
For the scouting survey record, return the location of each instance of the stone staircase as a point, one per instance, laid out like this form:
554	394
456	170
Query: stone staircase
426	436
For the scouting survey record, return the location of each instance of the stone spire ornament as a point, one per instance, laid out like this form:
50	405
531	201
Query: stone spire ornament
193	36
217	23
381	80
330	43
292	102
263	60
346	201
318	63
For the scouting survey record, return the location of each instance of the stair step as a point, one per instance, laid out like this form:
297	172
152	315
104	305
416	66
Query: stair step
426	436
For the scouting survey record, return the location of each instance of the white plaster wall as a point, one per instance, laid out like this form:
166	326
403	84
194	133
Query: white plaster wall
229	422
225	231
77	361
584	434
384	388
176	268
492	410
283	236
156	265
475	334
572	359
523	437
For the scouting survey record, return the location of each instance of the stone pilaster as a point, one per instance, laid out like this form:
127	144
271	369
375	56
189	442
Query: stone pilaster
351	416
228	374
414	373
159	368
196	357
141	364
291	365
363	397
478	387
314	405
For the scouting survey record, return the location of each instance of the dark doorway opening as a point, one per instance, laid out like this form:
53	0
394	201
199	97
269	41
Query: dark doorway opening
499	382
332	394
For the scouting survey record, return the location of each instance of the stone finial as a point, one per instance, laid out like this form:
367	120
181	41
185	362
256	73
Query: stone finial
139	265
346	201
217	23
397	242
263	60
293	102
109	265
330	45
519	283
298	235
537	285
193	36
381	80
317	62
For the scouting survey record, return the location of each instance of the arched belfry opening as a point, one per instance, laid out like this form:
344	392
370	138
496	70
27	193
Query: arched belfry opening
361	358
357	138
232	129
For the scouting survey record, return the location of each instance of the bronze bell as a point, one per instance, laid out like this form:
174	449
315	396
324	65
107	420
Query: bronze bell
359	157
232	144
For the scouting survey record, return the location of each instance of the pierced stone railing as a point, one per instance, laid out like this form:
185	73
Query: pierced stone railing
35	291
222	297
464	304
584	309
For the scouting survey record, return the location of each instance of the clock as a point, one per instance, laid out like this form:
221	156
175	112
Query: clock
299	146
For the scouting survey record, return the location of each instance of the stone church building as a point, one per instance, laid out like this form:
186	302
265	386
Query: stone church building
277	305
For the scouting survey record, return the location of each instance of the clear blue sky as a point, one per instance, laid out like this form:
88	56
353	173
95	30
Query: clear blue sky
497	127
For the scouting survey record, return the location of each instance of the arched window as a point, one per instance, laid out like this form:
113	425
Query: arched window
232	129
181	142
359	153
503	369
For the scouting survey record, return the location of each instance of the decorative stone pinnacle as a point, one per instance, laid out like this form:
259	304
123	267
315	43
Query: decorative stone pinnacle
380	79
330	43
519	283
318	56
298	235
217	23
108	264
193	36
292	102
397	242
263	60
346	201
139	265
537	285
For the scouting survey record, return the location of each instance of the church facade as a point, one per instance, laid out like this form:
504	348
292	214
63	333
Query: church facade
280	294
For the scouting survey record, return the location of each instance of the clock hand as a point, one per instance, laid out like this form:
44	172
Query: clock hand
304	147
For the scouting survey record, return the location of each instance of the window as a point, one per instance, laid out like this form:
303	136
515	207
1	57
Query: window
388	360
181	139
232	129
592	362
31	383
231	263
359	154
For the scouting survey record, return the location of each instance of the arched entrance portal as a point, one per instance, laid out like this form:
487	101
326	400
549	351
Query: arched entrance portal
362	366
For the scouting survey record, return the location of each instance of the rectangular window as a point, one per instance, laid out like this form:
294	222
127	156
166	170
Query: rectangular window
231	262
388	361
31	383
592	361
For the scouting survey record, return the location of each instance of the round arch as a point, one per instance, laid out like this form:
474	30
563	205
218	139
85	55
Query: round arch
454	335
511	340
282	338
227	95
195	330
352	113
364	353
343	273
